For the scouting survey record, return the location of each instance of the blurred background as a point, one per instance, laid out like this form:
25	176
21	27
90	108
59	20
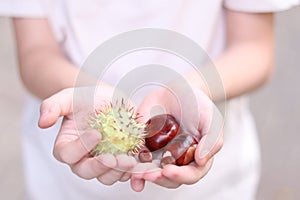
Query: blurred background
276	107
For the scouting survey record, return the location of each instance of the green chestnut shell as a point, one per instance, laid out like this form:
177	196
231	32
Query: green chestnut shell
121	133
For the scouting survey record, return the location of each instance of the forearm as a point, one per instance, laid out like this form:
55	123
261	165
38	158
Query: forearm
245	67
44	68
240	69
45	71
247	60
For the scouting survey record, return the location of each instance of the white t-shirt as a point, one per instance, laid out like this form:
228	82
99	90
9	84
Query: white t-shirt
80	26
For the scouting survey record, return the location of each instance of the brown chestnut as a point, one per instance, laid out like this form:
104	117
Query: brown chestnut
145	155
160	130
180	150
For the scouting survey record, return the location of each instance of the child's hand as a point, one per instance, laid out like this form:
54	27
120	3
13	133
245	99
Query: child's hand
75	139
197	114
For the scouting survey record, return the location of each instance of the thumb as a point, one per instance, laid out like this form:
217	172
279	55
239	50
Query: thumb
143	114
207	147
58	105
149	108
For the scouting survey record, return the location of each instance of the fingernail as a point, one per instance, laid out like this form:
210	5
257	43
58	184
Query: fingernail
137	185
44	112
204	153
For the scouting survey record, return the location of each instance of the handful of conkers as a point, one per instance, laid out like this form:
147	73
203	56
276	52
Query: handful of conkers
163	132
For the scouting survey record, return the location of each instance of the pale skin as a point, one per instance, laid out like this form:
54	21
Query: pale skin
245	64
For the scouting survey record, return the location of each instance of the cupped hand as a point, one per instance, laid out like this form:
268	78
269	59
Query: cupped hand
76	139
198	115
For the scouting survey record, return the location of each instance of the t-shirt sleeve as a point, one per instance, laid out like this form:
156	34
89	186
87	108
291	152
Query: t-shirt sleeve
260	5
22	8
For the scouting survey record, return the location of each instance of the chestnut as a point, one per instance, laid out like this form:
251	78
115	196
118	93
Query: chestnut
145	155
180	150
160	130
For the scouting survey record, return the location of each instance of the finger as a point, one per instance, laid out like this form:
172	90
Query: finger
165	182
188	174
124	164
212	138
89	168
152	106
141	168
144	112
137	181
150	172
111	177
70	152
125	177
207	149
137	184
158	178
60	104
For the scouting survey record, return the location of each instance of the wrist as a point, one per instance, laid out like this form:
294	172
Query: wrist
209	82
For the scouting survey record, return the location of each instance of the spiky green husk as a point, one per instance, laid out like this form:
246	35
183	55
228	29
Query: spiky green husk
121	133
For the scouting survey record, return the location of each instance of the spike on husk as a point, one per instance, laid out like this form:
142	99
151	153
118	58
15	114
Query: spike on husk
121	133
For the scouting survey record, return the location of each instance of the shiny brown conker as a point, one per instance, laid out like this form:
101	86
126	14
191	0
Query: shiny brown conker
160	130
180	150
